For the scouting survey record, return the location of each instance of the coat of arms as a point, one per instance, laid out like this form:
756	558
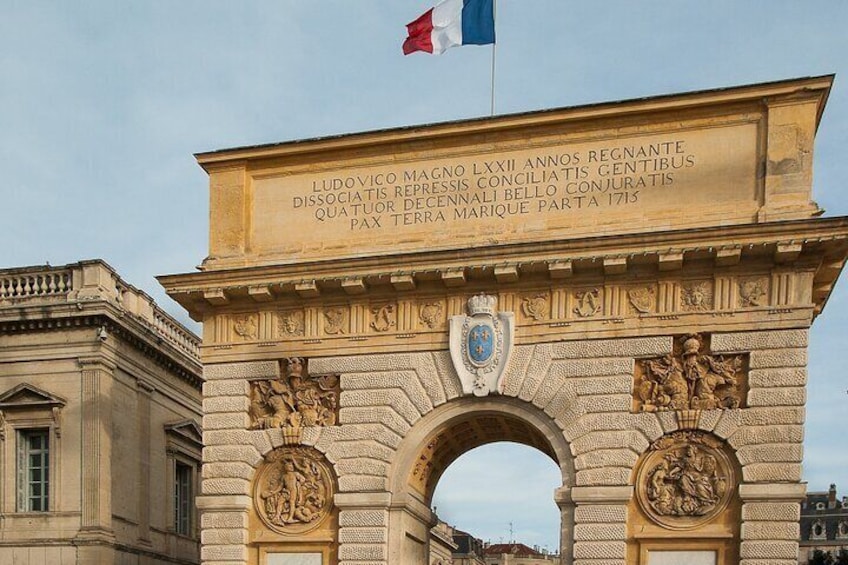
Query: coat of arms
480	344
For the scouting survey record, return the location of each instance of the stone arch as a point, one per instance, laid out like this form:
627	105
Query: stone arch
449	431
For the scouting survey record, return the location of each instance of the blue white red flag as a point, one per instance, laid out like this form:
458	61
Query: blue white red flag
452	23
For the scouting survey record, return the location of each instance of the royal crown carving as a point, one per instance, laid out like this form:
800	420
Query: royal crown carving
294	400
690	378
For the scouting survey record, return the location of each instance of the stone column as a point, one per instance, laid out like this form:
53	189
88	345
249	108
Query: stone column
600	524
96	538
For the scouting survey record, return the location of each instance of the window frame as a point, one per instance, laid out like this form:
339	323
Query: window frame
24	483
183	448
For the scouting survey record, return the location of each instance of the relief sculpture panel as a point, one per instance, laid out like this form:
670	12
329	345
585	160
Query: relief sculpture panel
293	490
295	399
689	378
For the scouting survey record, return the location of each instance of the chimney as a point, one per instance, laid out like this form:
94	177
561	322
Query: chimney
831	496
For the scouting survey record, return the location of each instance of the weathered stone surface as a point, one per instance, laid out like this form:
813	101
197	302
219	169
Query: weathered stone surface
749	341
407	381
771	472
225	486
377	414
446	370
630	439
616	384
362	552
770	531
628	347
605	476
755	435
226	421
362	483
778	358
224	553
228	471
770	453
764	416
600	532
538	368
600	550
517	369
231	453
363	518
794	377
395	397
771	511
772	549
225	404
223	520
362	466
362	535
226	388
605	458
790	396
229	536
363	448
244	370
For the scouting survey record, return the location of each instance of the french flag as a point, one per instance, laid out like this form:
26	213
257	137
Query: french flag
451	23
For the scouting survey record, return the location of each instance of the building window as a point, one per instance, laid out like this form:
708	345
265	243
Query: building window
183	498
33	470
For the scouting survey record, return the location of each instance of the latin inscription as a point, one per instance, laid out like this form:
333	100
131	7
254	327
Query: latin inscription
564	181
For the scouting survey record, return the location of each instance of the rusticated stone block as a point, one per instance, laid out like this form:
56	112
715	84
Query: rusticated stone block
755	435
629	439
770	453
229	536
769	562
763	416
607	403
225	486
247	370
228	471
794	396
231	453
600	513
600	550
517	369
548	388
363	518
617	384
362	535
630	347
362	448
407	381
362	552
227	437
606	476
226	388
770	531
600	562
226	421
778	358
362	466
223	520
600	532
592	367
769	550
772	473
395	397
605	458
760	378
372	431
362	483
450	380
747	341
728	423
771	511
225	404
224	553
709	419
538	368
378	414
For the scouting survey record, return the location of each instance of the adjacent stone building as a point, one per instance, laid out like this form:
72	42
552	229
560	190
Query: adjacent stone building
824	524
626	287
100	441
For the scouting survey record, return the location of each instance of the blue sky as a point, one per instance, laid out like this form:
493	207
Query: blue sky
103	103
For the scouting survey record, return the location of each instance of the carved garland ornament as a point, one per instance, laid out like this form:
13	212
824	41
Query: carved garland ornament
295	400
293	490
685	480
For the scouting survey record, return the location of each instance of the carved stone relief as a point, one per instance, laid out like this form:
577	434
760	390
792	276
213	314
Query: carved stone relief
335	320
535	307
295	400
685	480
430	314
588	303
246	326
642	299
696	296
690	378
753	292
383	318
291	324
293	490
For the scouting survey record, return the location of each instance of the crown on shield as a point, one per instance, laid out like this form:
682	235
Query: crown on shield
482	304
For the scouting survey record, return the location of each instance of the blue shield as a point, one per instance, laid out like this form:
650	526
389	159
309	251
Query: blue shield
481	343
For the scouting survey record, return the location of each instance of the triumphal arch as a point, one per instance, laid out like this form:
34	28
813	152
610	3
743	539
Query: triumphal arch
627	287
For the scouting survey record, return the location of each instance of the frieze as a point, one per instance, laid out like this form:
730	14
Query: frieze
293	490
246	327
696	296
294	400
690	378
685	480
431	314
383	318
536	307
291	323
753	292
336	320
588	303
642	299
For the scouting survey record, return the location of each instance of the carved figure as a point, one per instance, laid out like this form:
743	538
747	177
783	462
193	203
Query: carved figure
246	326
292	323
588	303
535	307
688	379
430	314
752	292
384	317
683	481
334	320
293	490
294	400
697	296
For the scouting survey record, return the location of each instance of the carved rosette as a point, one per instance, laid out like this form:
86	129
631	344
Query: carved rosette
293	490
295	400
685	480
690	379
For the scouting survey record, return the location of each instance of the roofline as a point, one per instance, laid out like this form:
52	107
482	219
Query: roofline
472	125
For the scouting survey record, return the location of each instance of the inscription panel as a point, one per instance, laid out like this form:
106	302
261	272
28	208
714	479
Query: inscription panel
681	179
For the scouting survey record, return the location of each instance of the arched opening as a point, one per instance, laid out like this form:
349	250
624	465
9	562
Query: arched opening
514	509
447	433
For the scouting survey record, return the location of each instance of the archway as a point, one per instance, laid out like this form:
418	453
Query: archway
445	434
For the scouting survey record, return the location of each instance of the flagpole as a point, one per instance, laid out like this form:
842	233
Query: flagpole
494	46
